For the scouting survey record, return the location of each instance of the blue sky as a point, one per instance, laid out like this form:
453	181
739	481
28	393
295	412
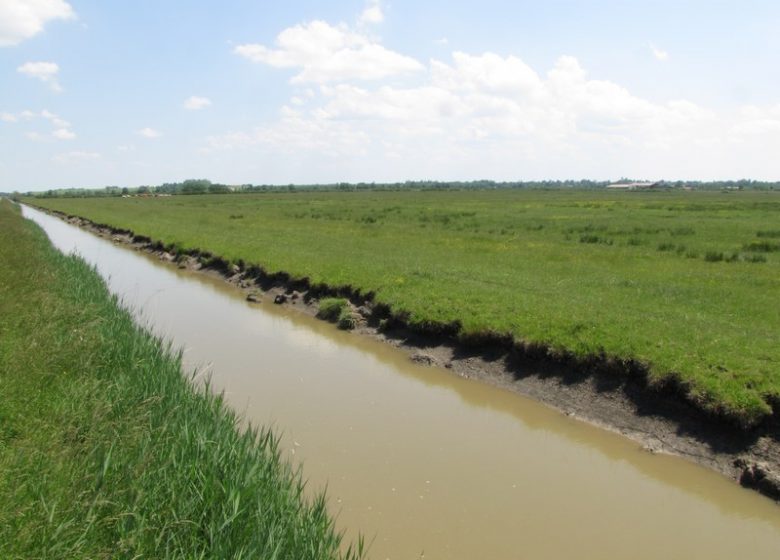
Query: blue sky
96	93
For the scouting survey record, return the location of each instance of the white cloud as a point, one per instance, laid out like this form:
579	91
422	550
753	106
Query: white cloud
659	54
149	133
325	53
372	14
43	71
63	134
52	118
476	115
486	73
75	157
489	114
441	41
22	19
296	132
755	121
61	129
195	103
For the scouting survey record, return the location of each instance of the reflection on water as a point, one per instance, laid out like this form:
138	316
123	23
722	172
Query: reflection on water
424	462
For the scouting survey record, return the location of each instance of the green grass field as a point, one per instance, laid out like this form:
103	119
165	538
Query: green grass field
107	450
686	282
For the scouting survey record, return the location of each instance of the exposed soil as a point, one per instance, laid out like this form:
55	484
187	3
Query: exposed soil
611	393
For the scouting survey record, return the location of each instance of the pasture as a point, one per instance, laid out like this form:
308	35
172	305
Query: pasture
688	283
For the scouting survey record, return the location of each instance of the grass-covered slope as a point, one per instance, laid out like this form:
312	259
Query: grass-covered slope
686	283
107	451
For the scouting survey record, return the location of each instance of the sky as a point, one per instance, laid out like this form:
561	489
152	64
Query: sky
107	92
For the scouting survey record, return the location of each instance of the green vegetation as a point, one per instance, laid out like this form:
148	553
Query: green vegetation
107	451
331	308
204	186
346	321
660	277
337	310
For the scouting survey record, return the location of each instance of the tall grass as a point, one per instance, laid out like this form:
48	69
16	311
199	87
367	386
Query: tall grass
106	450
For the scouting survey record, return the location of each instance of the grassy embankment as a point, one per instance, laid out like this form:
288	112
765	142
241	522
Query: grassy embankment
685	283
107	450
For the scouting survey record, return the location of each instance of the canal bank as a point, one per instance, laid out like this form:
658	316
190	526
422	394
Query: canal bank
107	449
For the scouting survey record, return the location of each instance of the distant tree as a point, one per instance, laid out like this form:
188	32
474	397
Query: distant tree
218	189
195	186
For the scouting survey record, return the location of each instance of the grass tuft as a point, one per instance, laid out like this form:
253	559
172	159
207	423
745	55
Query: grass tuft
762	247
346	320
331	308
595	239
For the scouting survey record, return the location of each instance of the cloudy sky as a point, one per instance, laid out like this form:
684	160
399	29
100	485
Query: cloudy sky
99	92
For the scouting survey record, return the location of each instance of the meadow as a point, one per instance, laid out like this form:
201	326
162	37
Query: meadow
108	451
687	283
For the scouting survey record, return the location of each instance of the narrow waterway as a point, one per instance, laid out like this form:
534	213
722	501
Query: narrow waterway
423	463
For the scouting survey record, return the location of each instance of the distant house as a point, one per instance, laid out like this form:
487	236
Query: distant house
633	186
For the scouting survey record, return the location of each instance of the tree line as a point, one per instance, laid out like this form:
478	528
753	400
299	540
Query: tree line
204	186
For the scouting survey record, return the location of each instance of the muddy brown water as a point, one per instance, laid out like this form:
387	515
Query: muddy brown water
423	463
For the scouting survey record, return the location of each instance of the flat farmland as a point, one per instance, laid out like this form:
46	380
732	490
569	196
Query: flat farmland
687	283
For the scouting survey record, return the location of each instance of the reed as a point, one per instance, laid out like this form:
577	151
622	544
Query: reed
107	450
